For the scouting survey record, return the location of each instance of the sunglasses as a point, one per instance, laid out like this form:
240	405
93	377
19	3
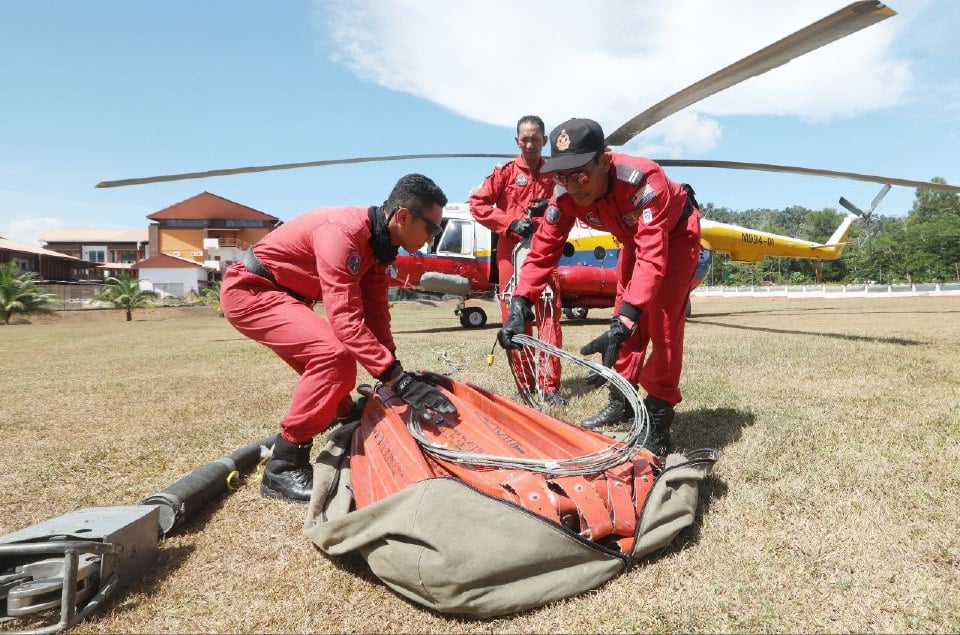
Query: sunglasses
432	228
580	178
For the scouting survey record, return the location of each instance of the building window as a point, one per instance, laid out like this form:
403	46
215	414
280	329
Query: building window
128	257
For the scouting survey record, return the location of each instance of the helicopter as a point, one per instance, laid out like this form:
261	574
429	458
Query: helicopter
458	262
461	260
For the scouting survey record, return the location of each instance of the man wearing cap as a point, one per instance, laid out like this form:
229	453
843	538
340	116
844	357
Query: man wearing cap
657	222
339	256
500	204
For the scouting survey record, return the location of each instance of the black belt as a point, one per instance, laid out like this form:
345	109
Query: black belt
254	266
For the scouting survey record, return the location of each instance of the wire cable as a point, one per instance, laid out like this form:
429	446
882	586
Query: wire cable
614	454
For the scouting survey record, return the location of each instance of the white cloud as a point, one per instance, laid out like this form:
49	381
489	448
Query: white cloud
612	59
28	230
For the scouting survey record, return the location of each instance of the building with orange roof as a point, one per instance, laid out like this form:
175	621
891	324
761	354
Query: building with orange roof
209	230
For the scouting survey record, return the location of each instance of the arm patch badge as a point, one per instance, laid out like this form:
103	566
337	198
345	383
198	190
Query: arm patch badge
553	215
353	262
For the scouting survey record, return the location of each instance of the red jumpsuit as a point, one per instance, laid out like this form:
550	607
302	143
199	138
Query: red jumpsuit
658	257
321	255
502	198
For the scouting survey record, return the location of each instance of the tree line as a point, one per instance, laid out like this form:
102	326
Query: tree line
923	246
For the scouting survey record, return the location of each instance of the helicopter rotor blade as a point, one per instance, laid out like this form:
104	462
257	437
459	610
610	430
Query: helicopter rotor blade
852	208
841	23
794	169
879	197
290	166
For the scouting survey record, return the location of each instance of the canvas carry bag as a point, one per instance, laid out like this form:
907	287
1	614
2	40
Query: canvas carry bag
454	549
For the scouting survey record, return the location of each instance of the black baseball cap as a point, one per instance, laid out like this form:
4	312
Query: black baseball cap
573	143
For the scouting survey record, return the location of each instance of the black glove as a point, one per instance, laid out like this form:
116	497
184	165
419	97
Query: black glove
537	207
608	345
522	227
422	394
516	322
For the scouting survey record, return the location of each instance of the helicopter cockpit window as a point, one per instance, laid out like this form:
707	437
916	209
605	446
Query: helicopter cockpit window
434	244
457	238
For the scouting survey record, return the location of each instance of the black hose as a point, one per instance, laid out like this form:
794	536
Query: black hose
180	500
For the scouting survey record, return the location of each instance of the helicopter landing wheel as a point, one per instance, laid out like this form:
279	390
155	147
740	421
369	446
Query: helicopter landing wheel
472	317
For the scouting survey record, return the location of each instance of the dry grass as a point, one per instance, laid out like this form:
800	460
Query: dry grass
833	507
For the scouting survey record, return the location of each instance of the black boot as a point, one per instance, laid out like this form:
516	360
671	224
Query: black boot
616	411
661	416
288	474
356	411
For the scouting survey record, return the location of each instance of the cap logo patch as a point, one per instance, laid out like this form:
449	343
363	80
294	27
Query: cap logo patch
521	180
353	262
553	215
563	141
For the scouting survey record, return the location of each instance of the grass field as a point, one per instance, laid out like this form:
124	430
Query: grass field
833	508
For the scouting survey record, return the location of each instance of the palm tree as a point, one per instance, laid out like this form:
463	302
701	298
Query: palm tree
124	292
19	293
210	296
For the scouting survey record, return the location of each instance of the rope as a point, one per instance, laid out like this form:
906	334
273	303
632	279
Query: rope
530	369
614	454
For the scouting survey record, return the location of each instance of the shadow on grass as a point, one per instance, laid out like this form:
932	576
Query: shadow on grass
779	311
448	329
703	428
493	326
709	427
784	312
712	489
354	564
899	341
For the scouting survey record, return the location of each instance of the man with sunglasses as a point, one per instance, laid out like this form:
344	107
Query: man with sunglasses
657	222
340	256
500	204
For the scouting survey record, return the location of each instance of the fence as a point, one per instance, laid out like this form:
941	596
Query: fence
951	289
71	297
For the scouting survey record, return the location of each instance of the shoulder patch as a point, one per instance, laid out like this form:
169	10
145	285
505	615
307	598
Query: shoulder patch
352	263
552	215
503	164
629	174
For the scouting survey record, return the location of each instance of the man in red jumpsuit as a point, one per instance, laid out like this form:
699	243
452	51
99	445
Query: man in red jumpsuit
657	222
500	204
339	256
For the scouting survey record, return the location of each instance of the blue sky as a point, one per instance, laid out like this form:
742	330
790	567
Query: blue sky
111	89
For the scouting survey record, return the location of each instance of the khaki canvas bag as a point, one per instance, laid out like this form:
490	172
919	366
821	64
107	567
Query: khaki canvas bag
449	547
